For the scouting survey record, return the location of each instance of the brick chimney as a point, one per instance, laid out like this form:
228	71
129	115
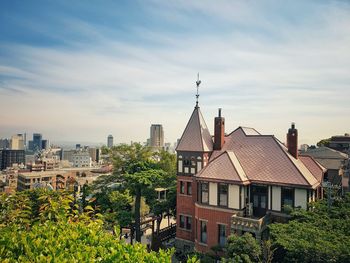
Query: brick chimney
219	131
292	141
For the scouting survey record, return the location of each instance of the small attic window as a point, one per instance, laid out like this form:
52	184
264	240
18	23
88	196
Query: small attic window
193	161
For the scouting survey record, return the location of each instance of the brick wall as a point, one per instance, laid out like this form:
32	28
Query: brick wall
185	206
213	217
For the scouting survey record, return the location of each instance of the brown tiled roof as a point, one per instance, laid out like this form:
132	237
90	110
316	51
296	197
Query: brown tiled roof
196	136
314	167
225	167
263	159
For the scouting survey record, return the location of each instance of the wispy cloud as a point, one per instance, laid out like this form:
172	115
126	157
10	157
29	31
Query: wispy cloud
265	64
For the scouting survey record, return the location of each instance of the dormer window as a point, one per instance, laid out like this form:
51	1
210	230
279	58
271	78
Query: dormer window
193	161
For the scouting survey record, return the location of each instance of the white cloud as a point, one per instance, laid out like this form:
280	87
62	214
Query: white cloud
88	91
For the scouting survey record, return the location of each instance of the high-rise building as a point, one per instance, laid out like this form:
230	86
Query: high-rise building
45	144
37	141
110	141
4	143
30	145
10	157
156	136
17	142
94	154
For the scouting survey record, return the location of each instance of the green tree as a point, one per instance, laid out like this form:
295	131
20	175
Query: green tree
243	248
320	235
323	142
138	182
139	170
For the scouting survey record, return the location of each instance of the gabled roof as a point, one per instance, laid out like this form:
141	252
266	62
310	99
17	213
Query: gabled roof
225	167
326	153
314	167
196	137
327	157
263	159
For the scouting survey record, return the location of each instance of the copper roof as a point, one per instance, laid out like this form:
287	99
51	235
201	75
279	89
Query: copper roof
225	167
314	167
262	158
196	137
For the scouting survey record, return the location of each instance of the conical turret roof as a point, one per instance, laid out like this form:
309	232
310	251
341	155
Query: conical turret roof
196	137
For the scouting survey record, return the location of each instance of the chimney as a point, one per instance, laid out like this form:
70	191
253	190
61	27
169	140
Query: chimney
219	131
292	141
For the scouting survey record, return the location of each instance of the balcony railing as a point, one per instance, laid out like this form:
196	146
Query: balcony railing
249	224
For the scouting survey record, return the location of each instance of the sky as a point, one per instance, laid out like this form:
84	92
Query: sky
81	70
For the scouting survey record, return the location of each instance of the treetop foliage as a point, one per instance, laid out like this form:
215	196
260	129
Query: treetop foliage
47	226
323	142
317	235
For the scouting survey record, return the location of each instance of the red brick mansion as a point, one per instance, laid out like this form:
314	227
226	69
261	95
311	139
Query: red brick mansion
237	182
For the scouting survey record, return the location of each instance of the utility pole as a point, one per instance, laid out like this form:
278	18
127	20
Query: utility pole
329	188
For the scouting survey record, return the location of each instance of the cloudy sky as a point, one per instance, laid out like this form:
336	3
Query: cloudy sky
80	70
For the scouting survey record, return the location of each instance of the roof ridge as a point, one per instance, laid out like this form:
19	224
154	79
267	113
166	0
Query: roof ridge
200	127
286	154
247	179
183	133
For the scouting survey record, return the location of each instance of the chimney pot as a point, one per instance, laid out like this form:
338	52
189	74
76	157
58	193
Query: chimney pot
219	131
292	141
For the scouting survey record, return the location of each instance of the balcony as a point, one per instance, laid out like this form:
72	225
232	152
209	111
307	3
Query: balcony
249	224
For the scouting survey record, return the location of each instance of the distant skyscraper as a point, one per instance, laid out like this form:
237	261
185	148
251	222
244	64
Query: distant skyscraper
30	145
45	144
10	157
37	141
17	142
156	136
109	141
4	143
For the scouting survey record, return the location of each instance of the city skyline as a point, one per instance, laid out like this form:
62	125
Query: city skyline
80	72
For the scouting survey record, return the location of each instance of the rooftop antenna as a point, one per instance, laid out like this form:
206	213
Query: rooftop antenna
198	82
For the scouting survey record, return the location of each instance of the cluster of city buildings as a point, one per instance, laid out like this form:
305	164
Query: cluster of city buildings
242	181
155	141
38	164
227	183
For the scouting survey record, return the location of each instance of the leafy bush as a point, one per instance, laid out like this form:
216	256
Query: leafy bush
47	226
70	242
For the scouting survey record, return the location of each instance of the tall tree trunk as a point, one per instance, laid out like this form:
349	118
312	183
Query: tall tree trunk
137	214
159	221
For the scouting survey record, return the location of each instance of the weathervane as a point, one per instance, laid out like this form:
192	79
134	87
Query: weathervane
198	82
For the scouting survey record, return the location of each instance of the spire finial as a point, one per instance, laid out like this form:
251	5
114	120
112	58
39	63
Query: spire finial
198	82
